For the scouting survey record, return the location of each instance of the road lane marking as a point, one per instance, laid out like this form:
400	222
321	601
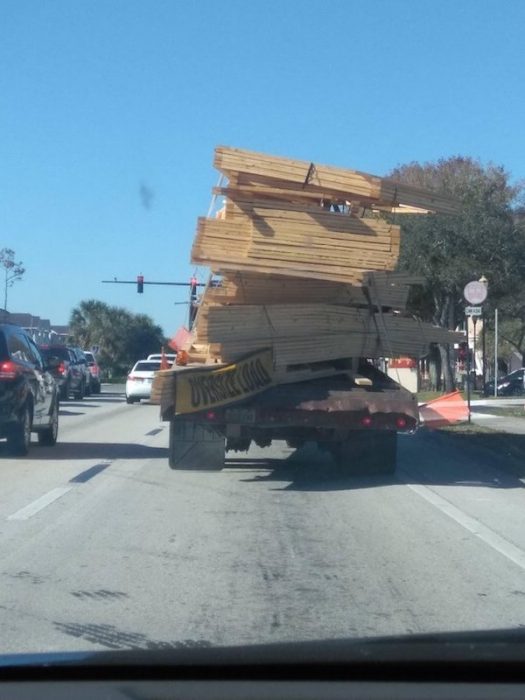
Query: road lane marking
88	474
50	497
484	533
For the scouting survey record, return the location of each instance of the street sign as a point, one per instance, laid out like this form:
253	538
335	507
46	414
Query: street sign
473	310
475	292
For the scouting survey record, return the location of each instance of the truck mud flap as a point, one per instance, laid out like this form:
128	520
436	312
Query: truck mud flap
195	446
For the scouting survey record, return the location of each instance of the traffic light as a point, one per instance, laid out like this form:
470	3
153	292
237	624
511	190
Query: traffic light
140	284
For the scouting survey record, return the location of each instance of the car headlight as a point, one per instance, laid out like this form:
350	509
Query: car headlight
504	385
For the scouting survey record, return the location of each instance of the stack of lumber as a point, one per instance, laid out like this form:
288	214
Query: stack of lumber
296	241
252	288
253	173
306	333
307	260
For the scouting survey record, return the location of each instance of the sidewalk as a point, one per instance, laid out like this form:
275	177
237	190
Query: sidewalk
503	424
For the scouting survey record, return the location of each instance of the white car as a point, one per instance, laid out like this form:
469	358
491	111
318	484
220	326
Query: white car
140	379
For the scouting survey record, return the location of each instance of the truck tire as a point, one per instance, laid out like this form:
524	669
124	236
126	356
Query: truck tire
367	452
195	446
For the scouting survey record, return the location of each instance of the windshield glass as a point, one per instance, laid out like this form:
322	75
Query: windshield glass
312	216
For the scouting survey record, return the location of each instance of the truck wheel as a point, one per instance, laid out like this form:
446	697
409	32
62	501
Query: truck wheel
367	452
195	446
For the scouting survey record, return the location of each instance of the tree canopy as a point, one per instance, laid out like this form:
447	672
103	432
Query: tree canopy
483	239
123	337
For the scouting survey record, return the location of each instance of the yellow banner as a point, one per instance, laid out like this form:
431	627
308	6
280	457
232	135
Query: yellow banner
199	389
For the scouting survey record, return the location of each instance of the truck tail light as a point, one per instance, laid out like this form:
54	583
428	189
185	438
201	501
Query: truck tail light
9	370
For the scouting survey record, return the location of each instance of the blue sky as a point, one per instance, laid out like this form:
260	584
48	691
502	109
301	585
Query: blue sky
99	98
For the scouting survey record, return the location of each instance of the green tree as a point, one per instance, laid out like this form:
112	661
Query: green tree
123	337
482	239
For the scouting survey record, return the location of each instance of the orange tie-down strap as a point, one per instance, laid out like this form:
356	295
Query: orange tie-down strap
445	410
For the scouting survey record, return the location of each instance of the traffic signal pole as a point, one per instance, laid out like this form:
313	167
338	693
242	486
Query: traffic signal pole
192	284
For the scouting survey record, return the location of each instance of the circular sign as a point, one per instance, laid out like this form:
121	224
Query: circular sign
475	292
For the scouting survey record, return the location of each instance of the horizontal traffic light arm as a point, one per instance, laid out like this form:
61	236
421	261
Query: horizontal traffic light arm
172	284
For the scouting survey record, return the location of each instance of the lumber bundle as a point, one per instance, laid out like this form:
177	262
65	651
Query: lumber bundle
255	171
314	244
390	289
307	261
305	333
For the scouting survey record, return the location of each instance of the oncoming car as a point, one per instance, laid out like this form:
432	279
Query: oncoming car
140	380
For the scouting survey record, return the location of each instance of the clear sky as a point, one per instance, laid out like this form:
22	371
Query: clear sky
110	111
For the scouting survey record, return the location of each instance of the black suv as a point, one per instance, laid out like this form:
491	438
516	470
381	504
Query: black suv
28	393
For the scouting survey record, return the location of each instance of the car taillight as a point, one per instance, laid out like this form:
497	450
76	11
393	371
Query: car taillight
9	370
131	377
366	421
401	422
62	368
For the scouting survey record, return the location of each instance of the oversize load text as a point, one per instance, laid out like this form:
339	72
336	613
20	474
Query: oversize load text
207	389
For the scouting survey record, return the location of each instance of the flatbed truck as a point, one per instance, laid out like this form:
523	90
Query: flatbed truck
355	415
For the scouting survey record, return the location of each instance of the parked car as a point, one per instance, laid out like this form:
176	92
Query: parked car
140	379
94	369
29	395
512	384
69	373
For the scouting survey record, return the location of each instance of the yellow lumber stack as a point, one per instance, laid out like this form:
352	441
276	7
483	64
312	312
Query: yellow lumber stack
306	260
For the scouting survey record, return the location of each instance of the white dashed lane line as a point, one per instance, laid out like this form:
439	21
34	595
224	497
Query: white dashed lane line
36	506
51	496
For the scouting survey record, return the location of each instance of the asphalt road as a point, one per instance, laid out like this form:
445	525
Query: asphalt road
102	546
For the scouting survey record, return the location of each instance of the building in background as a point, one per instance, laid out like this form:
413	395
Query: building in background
40	329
